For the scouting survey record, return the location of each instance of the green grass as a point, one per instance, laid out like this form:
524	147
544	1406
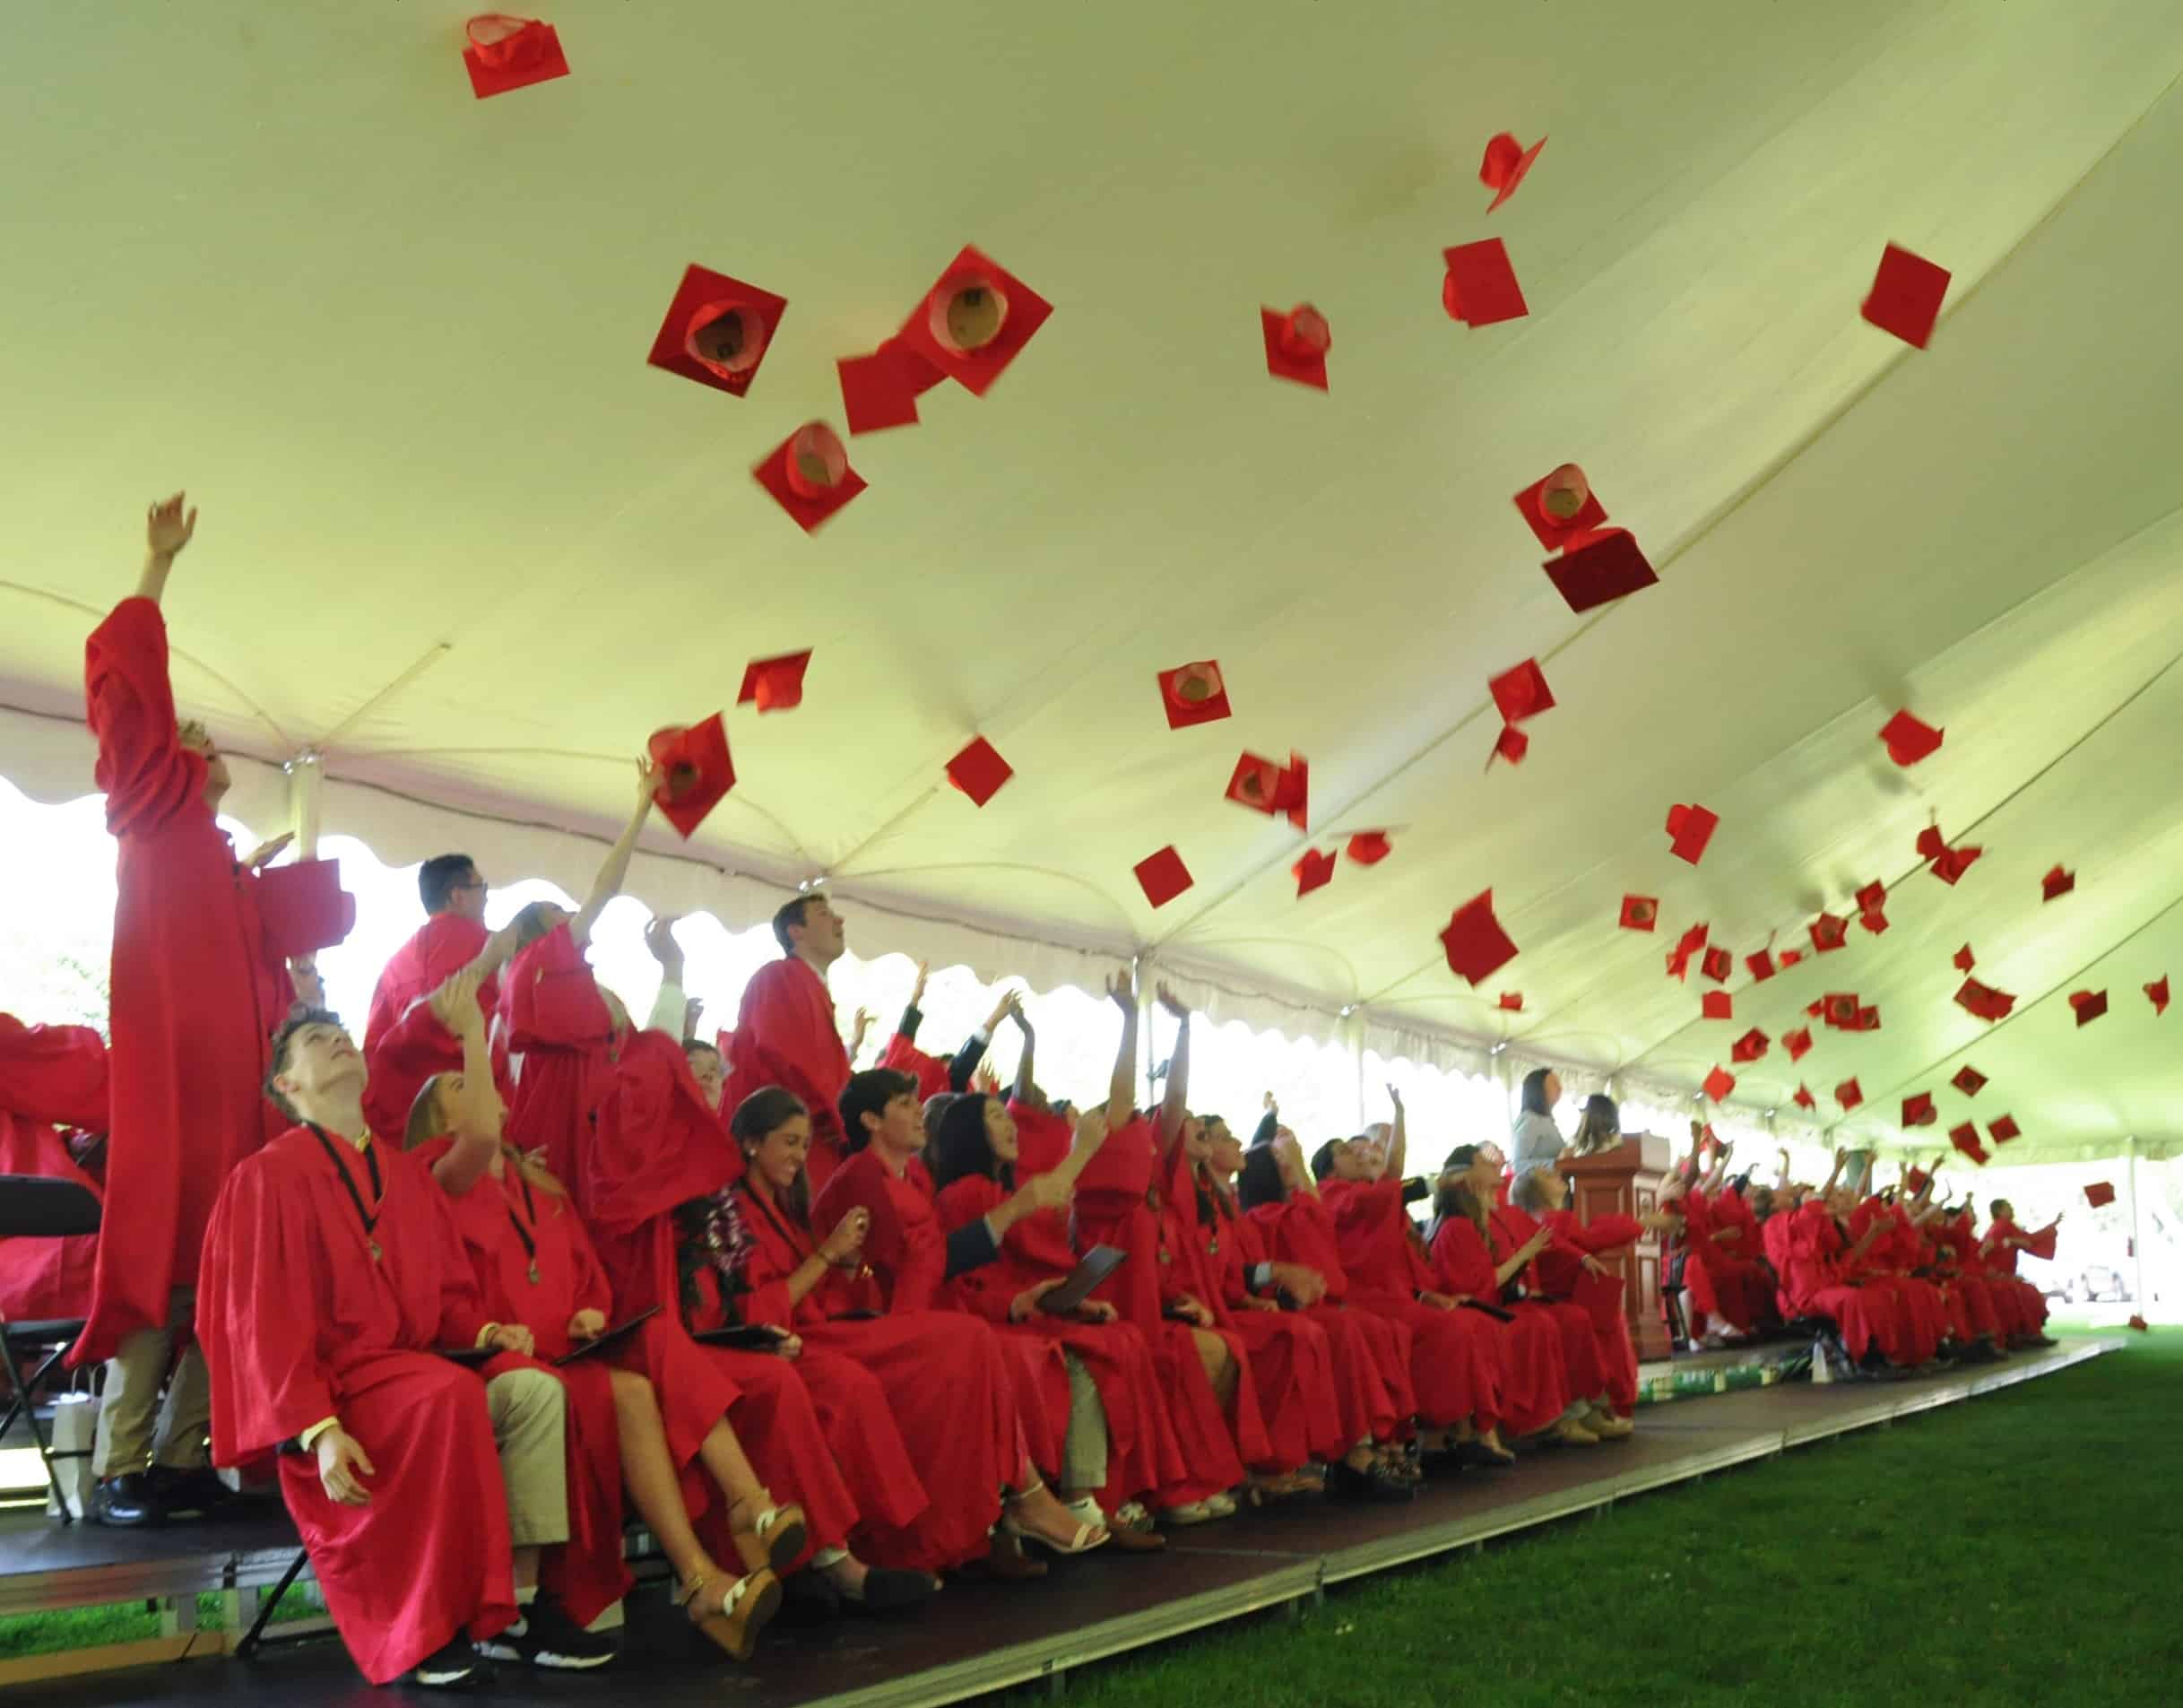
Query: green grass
2021	1549
29	1634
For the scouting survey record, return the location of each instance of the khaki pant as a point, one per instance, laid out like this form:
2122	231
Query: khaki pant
529	1410
135	1427
1085	1448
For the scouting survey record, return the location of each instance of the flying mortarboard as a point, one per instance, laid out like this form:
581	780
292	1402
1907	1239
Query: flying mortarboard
1906	296
1798	1044
1760	966
1163	876
1718	1005
2002	1129
1718	1083
1506	163
975	321
1598	568
716	331
1193	694
505	53
1479	286
808	475
2057	882
1315	871
1689	830
1849	1094
1478	947
1917	1110
1369	847
1296	344
979	771
696	771
1717	965
1749	1047
1969	1081
1639	913
774	684
1561	507
2099	1193
1909	739
2089	1005
2157	993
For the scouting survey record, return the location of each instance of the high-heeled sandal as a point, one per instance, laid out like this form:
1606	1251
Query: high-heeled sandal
1087	1535
743	1612
772	1539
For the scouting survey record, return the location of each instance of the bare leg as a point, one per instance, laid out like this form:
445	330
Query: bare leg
1220	1367
649	1474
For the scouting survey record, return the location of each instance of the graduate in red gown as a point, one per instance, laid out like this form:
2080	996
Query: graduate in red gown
190	1019
1454	1366
404	1045
784	1030
1892	1249
938	1075
333	1274
1721	1279
1569	1271
1997	1253
872	1244
1118	1203
534	1267
1118	1446
51	1076
1371	1417
651	1189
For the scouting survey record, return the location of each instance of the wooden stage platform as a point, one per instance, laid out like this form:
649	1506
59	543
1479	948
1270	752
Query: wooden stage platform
975	1637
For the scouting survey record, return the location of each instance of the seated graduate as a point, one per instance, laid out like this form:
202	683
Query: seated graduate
1893	1256
1570	1269
1119	1200
54	1077
936	1075
864	1287
1117	1445
1454	1363
535	1267
1535	1365
1825	1278
653	1188
1973	1320
1997	1251
425	1495
1720	1278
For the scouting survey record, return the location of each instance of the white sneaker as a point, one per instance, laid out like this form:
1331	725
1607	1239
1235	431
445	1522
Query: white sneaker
1196	1512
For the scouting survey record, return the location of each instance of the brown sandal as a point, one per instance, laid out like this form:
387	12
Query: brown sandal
744	1611
772	1537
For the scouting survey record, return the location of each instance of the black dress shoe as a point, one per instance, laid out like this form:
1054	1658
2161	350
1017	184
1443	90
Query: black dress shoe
129	1500
1374	1484
188	1494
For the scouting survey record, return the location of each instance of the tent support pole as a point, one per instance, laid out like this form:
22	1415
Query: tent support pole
306	773
2138	1236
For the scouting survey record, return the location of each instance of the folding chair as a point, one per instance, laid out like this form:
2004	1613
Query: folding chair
34	1207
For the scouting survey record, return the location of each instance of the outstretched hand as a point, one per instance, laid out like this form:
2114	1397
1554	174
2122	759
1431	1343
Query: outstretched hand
1174	1004
168	529
1394	1096
651	779
455	1005
659	938
1122	990
266	853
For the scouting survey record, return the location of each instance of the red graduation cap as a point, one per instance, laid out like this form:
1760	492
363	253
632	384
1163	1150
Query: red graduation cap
1849	1094
1909	740
1760	966
1874	921
1872	897
2089	1005
1689	830
1315	871
1749	1047
505	53
1717	965
1798	1044
696	771
1839	1008
1906	296
1688	945
2098	1194
1965	1139
979	771
1639	913
774	684
974	320
1561	507
2002	1129
2157	992
1985	1001
1480	288
2057	882
1193	694
1506	163
1948	863
808	475
1804	1099
2136	1320
880	390
1917	1110
1520	692
301	907
1791	958
1293	796
1829	932
1512	1000
1718	1005
716	331
1598	568
1478	947
1369	847
1256	783
1511	745
1718	1083
1914	1179
1163	876
1964	960
1867	1020
1816	1007
1296	344
1969	1081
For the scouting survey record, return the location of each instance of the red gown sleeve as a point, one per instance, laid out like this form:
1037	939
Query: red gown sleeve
657	1144
148	776
53	1074
782	1037
766	1272
988	1290
1604	1233
1460	1261
268	1384
552	1000
861	1184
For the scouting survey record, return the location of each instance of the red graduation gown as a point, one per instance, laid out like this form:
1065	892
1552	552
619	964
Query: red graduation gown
300	1324
493	1217
404	1044
785	1035
1721	1277
657	1149
189	1018
1142	1452
1561	1274
1887	1264
1452	1364
1819	1285
943	1378
2000	1269
560	1044
930	1071
50	1077
1534	1370
1301	1231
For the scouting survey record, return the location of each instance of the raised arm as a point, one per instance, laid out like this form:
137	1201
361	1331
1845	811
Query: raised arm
670	1008
1291	1149
166	529
1174	1104
1398	1140
615	868
1121	1089
475	1113
1024	1080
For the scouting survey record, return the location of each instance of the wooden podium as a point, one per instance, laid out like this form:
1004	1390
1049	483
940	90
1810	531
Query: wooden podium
1626	1180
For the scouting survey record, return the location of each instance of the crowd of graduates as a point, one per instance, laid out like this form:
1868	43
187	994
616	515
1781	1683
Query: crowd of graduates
517	1265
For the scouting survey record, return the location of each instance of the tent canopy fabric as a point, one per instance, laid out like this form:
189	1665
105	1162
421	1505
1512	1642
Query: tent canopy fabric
460	543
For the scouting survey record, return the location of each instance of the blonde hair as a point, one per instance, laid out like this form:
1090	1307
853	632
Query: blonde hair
425	1124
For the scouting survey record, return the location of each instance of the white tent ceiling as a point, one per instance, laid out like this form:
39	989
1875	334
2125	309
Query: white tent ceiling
461	539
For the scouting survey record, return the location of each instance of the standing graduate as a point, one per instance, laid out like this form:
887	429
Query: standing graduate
784	1030
54	1077
425	1495
190	1022
1997	1251
404	1044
